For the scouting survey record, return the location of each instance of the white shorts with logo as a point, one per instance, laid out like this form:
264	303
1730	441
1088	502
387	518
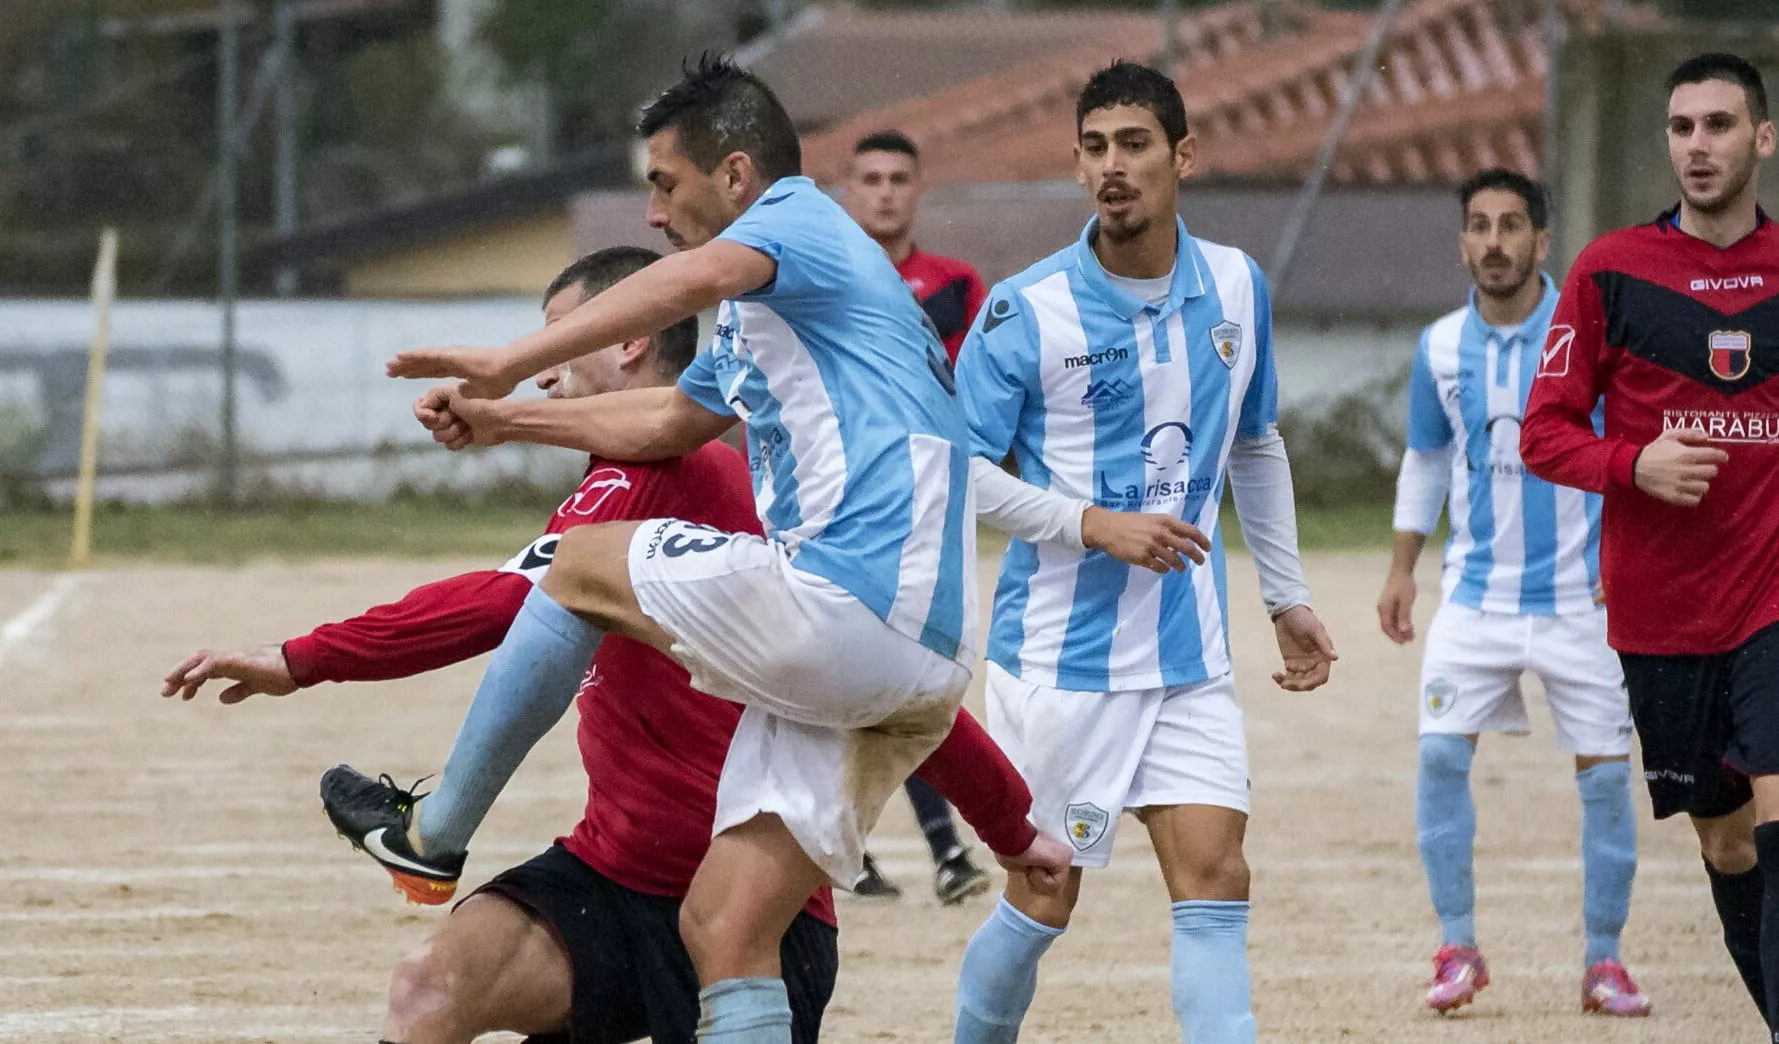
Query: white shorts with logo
1470	677
840	709
1089	756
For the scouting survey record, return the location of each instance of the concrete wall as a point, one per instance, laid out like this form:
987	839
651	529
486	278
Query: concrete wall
515	258
1612	146
315	410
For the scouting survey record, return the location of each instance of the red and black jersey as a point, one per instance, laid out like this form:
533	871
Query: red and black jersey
653	746
951	292
1672	332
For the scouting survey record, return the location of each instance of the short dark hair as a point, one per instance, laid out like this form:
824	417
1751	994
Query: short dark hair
887	141
720	108
1730	68
1504	180
676	346
1128	83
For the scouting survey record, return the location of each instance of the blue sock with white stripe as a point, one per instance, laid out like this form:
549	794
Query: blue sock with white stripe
1445	820
1608	855
1211	988
744	1011
999	976
529	685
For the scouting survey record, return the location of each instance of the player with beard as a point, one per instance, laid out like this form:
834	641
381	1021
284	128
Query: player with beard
1128	374
1521	567
1676	324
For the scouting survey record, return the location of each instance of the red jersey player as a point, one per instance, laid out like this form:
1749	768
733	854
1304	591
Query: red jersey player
883	190
1676	325
582	942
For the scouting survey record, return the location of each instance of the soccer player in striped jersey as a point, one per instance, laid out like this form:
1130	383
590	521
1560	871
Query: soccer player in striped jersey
883	193
1129	374
1521	576
848	632
582	942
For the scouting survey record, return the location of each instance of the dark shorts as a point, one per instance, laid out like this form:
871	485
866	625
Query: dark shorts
1706	723
632	977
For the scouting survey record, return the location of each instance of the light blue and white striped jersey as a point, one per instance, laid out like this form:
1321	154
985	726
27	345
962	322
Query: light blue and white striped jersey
856	438
1518	543
1133	406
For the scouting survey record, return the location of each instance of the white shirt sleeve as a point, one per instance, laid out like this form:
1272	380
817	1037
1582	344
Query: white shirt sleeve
1421	488
1260	479
1020	509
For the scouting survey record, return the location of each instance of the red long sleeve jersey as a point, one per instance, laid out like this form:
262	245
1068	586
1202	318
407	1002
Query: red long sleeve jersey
950	291
653	747
1673	332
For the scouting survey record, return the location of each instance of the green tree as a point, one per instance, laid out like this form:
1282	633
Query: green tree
597	59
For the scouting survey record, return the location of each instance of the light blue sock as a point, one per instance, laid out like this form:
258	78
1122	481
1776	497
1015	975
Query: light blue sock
529	685
1445	819
1608	855
744	1011
999	976
1211	991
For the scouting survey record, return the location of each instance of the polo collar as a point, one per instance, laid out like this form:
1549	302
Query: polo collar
1188	283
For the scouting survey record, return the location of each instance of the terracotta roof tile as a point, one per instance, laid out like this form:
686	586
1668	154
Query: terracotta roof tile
1461	86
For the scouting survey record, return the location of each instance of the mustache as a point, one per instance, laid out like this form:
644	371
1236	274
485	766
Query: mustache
1111	186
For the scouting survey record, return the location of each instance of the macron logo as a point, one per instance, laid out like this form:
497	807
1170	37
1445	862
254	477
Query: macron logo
1071	362
1554	361
1741	282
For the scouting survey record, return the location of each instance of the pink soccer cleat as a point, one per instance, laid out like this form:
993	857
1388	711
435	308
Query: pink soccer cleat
1458	973
1607	989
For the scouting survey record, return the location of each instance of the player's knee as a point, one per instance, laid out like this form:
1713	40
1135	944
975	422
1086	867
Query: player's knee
422	992
590	569
1728	853
1210	874
1443	755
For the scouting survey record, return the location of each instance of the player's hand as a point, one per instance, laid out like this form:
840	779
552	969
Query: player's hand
255	671
1678	467
1307	649
481	370
1045	864
457	422
1154	542
1396	608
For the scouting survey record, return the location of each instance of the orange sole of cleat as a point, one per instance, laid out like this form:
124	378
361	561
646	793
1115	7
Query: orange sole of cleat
420	891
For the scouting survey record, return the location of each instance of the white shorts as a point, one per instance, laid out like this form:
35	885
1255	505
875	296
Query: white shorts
1470	678
1089	756
840	708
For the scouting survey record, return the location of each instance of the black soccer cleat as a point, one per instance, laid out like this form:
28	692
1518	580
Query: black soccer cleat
374	815
872	884
957	878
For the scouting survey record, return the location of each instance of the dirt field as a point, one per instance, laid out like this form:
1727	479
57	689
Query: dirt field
168	875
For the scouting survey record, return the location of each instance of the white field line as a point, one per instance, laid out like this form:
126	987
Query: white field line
250	1021
38	613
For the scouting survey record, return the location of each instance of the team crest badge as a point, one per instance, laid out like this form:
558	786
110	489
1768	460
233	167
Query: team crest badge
1226	338
1086	824
1438	694
1732	352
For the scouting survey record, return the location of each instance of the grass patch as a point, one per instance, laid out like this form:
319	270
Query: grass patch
407	528
429	527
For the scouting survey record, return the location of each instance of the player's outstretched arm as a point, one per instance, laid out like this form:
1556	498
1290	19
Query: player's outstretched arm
638	424
972	773
432	626
671	289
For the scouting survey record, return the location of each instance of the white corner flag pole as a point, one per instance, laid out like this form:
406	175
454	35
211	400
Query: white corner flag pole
104	293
